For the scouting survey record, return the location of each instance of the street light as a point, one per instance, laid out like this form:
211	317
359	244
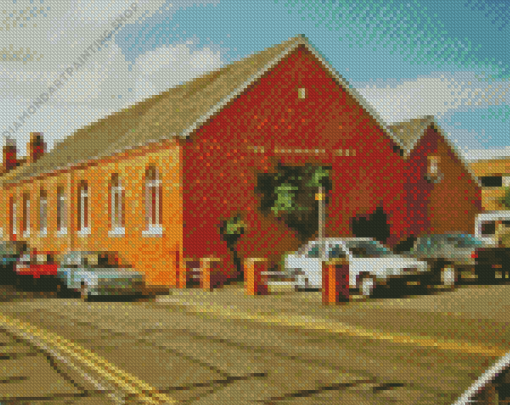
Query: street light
321	197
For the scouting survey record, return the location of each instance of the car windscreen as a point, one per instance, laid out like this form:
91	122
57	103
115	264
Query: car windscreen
368	249
463	241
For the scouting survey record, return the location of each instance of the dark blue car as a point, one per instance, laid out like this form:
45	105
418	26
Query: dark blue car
10	253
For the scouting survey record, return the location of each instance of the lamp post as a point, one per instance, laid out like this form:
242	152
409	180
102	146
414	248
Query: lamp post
321	197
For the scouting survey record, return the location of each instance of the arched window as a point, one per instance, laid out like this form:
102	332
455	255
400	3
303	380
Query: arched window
153	200
43	212
13	217
83	207
61	211
25	222
116	204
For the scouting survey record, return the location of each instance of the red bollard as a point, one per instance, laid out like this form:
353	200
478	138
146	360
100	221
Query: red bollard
335	281
253	279
209	273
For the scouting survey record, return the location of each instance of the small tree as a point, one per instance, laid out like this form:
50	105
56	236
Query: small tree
231	230
289	194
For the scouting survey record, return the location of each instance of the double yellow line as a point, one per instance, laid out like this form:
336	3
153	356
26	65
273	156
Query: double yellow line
322	325
124	382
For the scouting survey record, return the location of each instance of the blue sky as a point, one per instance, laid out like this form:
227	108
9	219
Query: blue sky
450	59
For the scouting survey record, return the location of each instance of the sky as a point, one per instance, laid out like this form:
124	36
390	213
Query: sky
407	58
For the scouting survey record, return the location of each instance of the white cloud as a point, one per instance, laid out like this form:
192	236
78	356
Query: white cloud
168	66
480	154
435	95
101	86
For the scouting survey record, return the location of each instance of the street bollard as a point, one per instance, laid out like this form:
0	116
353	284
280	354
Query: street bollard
253	279
335	281
209	273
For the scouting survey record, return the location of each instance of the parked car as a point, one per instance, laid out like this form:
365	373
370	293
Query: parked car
36	268
371	264
10	254
447	255
95	273
491	260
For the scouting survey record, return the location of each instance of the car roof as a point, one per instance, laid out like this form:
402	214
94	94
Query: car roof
347	239
89	252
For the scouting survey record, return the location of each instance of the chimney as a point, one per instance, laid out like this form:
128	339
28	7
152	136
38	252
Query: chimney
36	147
9	151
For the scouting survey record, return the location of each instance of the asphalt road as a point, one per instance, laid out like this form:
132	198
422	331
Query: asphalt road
196	347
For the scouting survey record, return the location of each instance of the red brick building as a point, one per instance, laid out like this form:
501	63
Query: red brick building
181	162
441	192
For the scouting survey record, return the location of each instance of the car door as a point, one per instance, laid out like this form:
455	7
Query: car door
67	268
313	268
361	262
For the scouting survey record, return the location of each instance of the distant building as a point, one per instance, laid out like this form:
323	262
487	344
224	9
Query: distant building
441	190
155	181
494	175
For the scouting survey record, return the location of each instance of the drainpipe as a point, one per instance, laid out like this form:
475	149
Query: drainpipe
70	225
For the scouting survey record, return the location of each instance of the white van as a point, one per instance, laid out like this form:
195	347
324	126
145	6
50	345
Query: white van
486	223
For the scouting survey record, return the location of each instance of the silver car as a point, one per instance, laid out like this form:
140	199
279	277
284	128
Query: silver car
447	254
371	264
98	273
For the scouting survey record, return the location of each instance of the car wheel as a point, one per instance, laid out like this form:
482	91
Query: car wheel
449	276
366	286
84	292
302	282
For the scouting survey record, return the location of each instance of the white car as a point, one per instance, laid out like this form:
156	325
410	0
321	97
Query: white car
371	264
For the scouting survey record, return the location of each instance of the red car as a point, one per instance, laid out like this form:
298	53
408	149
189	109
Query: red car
36	265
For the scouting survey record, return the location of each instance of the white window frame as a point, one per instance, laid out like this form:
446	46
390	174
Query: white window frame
84	196
26	217
43	214
433	168
117	228
154	227
61	208
13	219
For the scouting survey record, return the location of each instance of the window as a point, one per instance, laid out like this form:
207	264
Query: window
301	93
433	165
336	252
83	208
492	181
43	212
153	202
13	216
116	206
25	223
433	174
314	252
61	211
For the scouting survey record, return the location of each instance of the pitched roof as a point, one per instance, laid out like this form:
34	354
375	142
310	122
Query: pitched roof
176	112
410	132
